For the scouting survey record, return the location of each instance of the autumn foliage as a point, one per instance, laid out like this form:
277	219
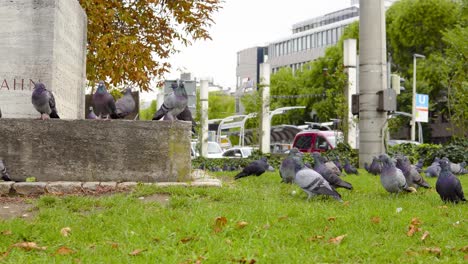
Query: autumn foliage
130	40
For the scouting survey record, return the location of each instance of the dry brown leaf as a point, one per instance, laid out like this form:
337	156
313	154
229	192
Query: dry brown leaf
220	222
375	220
336	240
434	250
114	244
65	231
136	252
315	238
425	235
7	232
241	224
326	229
442	207
346	203
4	254
186	239
415	221
464	249
466	257
412	229
64	251
28	246
332	218
412	253
284	217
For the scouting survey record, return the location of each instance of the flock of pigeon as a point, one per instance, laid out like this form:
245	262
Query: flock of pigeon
397	174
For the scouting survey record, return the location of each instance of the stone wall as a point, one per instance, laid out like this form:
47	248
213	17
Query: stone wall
42	41
96	150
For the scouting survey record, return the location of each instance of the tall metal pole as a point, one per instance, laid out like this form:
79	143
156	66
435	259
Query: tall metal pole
372	78
413	108
350	63
266	127
204	117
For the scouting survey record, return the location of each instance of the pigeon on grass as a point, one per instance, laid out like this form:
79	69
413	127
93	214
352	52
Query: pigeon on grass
257	168
125	105
44	102
392	178
448	186
174	104
314	184
349	168
328	174
287	169
375	167
412	176
434	169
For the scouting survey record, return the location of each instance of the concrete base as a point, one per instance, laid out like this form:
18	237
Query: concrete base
96	150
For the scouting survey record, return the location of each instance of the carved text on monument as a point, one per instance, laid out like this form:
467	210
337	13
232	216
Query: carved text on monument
17	84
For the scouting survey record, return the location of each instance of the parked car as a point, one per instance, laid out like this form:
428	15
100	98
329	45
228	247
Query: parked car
393	142
317	140
214	150
238	152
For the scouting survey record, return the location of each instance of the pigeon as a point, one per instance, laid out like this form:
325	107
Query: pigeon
328	174
448	186
349	168
174	103
391	177
0	113
186	115
332	166
3	171
456	168
287	169
104	103
125	105
419	165
434	169
412	176
44	102
338	164
257	167
375	167
91	114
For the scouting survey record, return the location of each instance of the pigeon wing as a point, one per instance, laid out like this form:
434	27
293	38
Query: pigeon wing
52	105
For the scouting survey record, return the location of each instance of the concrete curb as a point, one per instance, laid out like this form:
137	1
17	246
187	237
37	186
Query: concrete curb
62	187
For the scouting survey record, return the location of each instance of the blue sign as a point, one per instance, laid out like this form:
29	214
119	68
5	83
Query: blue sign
422	101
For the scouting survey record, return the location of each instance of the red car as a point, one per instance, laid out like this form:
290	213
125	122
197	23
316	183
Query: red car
317	140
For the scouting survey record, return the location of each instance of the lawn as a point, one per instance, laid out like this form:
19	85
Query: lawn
253	220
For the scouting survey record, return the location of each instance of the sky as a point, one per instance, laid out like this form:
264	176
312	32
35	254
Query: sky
243	24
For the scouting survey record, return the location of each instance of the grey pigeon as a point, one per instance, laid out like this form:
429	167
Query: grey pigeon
173	104
456	168
314	184
287	169
4	172
434	169
257	168
44	102
91	114
375	167
337	162
391	177
104	103
331	165
419	165
448	186
328	174
412	176
125	105
349	168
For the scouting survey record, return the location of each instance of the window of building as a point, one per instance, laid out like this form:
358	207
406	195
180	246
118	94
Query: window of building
277	49
333	36
312	41
329	37
319	39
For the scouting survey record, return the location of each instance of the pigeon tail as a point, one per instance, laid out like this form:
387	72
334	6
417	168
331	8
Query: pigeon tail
54	114
240	175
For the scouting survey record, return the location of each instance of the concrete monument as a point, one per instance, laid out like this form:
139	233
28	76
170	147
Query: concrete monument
42	41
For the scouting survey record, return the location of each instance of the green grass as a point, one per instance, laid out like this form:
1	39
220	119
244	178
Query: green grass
281	227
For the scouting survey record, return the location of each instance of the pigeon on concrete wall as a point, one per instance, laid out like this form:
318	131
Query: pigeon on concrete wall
91	114
448	186
391	177
328	174
4	172
349	168
412	176
173	104
313	184
44	102
104	103
126	104
287	169
186	115
257	168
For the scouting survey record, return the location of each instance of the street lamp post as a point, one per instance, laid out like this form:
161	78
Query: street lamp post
413	112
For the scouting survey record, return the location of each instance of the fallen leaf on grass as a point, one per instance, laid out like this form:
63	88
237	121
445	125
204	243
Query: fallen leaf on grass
28	246
65	231
415	221
315	238
375	220
442	207
64	251
346	203
241	224
466	257
186	239
7	232
284	217
220	222
136	252
411	253
326	228
245	261
4	254
464	249
113	244
331	218
336	240
425	235
412	229
434	250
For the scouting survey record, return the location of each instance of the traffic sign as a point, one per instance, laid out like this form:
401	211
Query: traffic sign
422	108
